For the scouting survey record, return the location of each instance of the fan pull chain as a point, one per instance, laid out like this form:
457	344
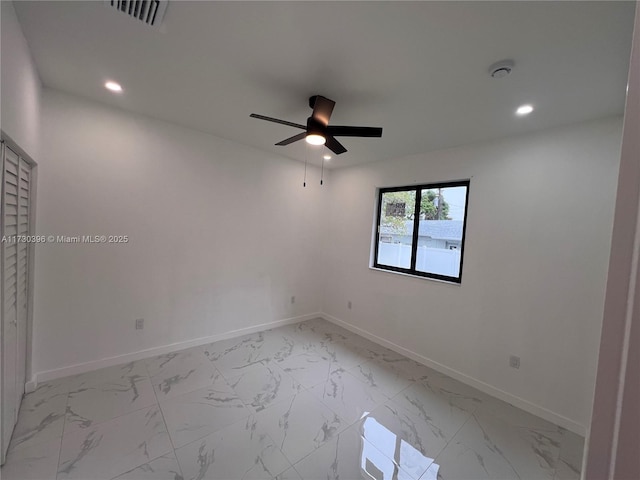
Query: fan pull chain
322	167
306	155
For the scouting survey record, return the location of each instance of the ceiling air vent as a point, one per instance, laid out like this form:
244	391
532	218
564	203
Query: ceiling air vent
150	12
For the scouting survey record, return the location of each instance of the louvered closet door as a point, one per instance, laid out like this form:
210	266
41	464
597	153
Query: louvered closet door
10	295
23	273
15	286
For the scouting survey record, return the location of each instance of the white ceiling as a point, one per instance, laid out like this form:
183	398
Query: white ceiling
418	69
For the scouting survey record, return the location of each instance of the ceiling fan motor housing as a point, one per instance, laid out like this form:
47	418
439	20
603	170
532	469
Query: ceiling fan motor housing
314	127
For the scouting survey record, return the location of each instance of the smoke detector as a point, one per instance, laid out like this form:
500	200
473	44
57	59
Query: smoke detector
150	12
501	69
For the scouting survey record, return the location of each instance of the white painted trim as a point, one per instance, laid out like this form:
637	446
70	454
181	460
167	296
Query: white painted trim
630	315
525	405
31	385
151	352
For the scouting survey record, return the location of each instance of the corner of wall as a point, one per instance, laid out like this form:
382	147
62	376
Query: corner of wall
21	85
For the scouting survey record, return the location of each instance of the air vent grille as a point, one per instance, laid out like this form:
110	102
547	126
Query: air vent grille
150	12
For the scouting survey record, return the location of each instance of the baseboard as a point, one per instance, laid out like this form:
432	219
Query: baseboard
525	405
31	385
151	352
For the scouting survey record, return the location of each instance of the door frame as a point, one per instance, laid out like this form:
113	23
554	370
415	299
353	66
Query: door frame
30	383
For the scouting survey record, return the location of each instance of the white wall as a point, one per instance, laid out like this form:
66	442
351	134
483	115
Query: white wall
221	235
19	84
20	92
535	265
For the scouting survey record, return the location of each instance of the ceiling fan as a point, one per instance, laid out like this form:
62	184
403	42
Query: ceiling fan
318	131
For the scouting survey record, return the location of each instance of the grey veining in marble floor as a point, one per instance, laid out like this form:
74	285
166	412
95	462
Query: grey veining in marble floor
308	401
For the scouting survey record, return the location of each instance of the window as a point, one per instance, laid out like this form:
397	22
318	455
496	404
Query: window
420	229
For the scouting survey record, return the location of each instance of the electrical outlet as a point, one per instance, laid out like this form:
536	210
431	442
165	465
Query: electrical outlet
514	362
349	304
293	299
139	323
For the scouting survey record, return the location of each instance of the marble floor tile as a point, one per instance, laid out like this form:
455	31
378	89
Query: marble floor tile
290	474
432	473
457	393
314	332
347	396
114	447
387	378
176	373
48	391
264	385
98	402
120	374
514	415
315	326
161	468
566	471
300	425
370	349
444	414
283	343
235	352
303	340
41	416
307	401
233	355
571	452
309	368
405	437
411	369
488	447
332	333
379	352
34	462
341	352
199	413
348	456
242	450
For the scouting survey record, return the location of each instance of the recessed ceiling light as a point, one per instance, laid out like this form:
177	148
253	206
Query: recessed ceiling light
113	86
524	110
327	157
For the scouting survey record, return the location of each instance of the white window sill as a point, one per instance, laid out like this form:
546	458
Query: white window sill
419	277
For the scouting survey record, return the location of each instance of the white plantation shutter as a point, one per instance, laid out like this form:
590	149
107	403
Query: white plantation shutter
16	212
24	210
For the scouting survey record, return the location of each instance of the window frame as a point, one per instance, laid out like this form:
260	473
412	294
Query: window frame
416	229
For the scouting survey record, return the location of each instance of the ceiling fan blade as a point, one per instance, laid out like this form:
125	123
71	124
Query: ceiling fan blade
334	145
344	131
322	108
275	120
295	138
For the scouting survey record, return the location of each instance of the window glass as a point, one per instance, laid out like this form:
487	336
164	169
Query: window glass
421	229
440	232
396	228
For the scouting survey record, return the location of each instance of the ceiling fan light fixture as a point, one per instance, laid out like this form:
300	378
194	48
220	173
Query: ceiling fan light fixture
315	139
